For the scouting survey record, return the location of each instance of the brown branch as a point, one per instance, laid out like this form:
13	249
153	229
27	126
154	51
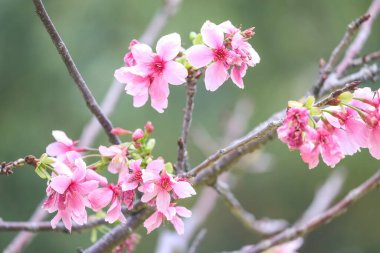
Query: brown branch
265	227
365	59
327	68
313	223
6	168
361	38
74	72
191	89
332	98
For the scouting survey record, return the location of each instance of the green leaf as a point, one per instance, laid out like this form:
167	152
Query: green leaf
150	145
169	168
345	97
94	235
309	102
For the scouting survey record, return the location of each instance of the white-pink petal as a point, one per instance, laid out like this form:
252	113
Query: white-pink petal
212	35
61	136
199	56
60	183
178	225
216	74
168	46
163	203
142	53
183	189
175	73
153	222
183	211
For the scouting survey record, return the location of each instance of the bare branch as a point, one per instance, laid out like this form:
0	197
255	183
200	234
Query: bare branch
319	220
267	226
45	226
363	34
327	68
6	168
74	72
191	89
197	240
365	59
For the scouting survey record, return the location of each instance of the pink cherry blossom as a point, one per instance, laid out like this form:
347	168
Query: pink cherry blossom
62	145
118	155
130	181
137	134
158	184
155	220
233	51
153	72
67	194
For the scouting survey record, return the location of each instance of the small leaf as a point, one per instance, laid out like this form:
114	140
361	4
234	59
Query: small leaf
309	102
169	168
315	111
150	145
345	97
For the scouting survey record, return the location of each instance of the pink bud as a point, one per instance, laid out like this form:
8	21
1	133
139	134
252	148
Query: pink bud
149	127
120	131
137	134
248	33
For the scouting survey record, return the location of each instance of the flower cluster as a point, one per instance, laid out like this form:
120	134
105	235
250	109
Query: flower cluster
348	123
217	47
74	187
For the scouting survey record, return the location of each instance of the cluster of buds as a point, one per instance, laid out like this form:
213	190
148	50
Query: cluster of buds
217	48
347	124
74	187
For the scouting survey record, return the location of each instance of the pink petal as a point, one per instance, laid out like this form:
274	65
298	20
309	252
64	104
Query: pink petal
114	213
153	222
66	219
56	148
86	187
80	171
61	136
183	211
212	35
310	154
163	202
55	220
92	175
142	53
74	202
168	46
237	74
178	225
374	142
199	56
159	92
147	196
175	73
105	151
228	27
216	75
140	100
183	189
129	186
155	166
100	198
60	183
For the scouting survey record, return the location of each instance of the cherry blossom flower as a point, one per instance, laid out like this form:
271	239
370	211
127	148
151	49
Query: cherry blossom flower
222	54
130	181
158	183
137	134
62	145
151	72
67	194
155	220
118	155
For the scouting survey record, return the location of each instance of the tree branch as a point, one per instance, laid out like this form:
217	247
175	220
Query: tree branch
365	59
191	89
313	223
74	72
265	227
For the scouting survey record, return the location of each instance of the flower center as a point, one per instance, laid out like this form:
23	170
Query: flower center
220	54
165	183
157	65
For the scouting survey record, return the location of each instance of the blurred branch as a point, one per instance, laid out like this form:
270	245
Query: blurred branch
319	220
74	72
365	59
327	68
191	89
362	36
197	240
267	226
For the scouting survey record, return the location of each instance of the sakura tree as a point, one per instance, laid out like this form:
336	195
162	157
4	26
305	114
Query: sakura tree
114	188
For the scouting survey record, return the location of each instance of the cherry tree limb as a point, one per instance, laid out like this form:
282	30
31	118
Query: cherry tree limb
191	89
362	36
365	59
74	72
317	221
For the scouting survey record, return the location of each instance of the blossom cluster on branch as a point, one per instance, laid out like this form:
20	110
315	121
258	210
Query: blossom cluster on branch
218	48
74	187
342	127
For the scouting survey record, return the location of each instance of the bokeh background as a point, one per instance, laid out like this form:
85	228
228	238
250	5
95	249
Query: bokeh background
37	96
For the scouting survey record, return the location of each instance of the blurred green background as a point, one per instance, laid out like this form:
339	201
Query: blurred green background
37	96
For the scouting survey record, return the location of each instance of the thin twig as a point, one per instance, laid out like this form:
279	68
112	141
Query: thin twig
191	89
313	223
197	240
265	227
6	168
365	59
74	72
332	98
328	67
45	226
363	34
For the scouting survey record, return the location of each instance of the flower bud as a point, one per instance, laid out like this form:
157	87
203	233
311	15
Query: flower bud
120	131
137	134
149	128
